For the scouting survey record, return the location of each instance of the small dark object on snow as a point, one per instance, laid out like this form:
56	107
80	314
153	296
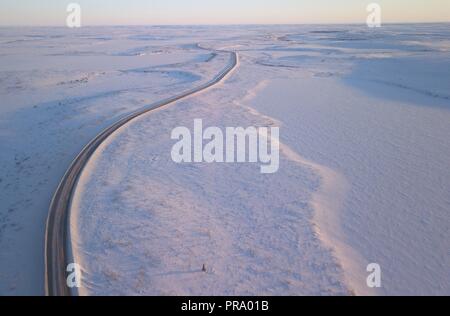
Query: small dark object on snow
204	268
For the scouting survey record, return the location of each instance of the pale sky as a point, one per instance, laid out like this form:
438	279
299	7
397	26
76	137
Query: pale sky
142	12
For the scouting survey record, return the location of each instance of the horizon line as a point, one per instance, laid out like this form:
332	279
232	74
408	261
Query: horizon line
226	24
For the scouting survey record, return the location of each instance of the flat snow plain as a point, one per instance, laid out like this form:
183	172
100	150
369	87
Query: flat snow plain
364	173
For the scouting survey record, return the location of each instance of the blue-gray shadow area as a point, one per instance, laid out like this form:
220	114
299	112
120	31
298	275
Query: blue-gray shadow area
420	80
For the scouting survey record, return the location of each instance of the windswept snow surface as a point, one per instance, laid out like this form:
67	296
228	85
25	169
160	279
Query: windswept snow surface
364	173
59	87
364	117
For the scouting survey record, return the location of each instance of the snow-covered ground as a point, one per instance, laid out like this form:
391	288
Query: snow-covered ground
58	88
364	168
363	178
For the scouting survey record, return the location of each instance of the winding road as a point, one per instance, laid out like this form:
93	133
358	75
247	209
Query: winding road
57	240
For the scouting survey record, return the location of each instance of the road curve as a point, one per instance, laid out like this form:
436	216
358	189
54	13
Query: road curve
57	247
